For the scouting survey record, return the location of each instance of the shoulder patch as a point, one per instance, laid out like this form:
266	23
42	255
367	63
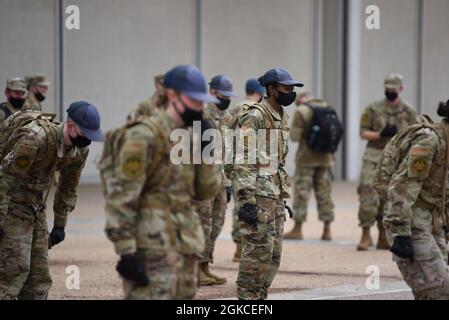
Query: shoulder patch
365	120
419	166
132	158
133	167
22	162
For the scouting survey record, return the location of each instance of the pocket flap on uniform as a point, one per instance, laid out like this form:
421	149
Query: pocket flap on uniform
422	251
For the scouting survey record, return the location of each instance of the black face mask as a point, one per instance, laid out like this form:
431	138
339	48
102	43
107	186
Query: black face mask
39	96
391	96
189	115
286	99
17	102
80	142
443	109
223	104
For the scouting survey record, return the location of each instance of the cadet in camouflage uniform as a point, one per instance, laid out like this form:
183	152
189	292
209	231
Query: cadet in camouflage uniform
37	86
151	106
16	94
415	221
379	123
40	148
212	212
254	94
263	186
313	171
149	199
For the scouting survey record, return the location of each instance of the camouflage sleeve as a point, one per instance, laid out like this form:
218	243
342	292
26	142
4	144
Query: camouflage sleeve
208	181
66	191
2	119
124	191
246	159
406	184
366	121
297	127
15	166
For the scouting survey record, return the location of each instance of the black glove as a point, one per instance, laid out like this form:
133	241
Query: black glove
290	211
2	233
132	268
402	247
389	131
248	213
228	194
57	235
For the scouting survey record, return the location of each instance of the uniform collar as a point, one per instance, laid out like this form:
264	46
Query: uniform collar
32	103
278	116
11	107
214	111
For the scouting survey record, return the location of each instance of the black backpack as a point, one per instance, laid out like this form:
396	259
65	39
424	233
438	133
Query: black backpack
326	130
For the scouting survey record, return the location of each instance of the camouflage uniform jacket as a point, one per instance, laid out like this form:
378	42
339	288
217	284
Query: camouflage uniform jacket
26	172
305	157
31	104
234	110
5	111
154	213
263	178
376	116
419	181
220	119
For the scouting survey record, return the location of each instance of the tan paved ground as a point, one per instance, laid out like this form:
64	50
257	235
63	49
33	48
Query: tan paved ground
306	265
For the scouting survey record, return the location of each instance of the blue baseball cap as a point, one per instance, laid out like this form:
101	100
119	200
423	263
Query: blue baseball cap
252	85
223	85
190	81
279	75
86	117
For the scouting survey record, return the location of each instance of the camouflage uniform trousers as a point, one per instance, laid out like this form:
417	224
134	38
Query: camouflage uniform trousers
261	250
187	283
172	277
24	266
236	235
428	275
162	271
369	203
319	179
212	214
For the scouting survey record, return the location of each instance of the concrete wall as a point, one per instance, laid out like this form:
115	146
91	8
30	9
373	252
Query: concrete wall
28	42
393	49
332	68
112	59
436	55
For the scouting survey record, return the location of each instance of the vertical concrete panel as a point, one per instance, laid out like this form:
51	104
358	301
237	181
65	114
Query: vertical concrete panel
244	39
121	45
332	57
393	49
28	42
436	55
